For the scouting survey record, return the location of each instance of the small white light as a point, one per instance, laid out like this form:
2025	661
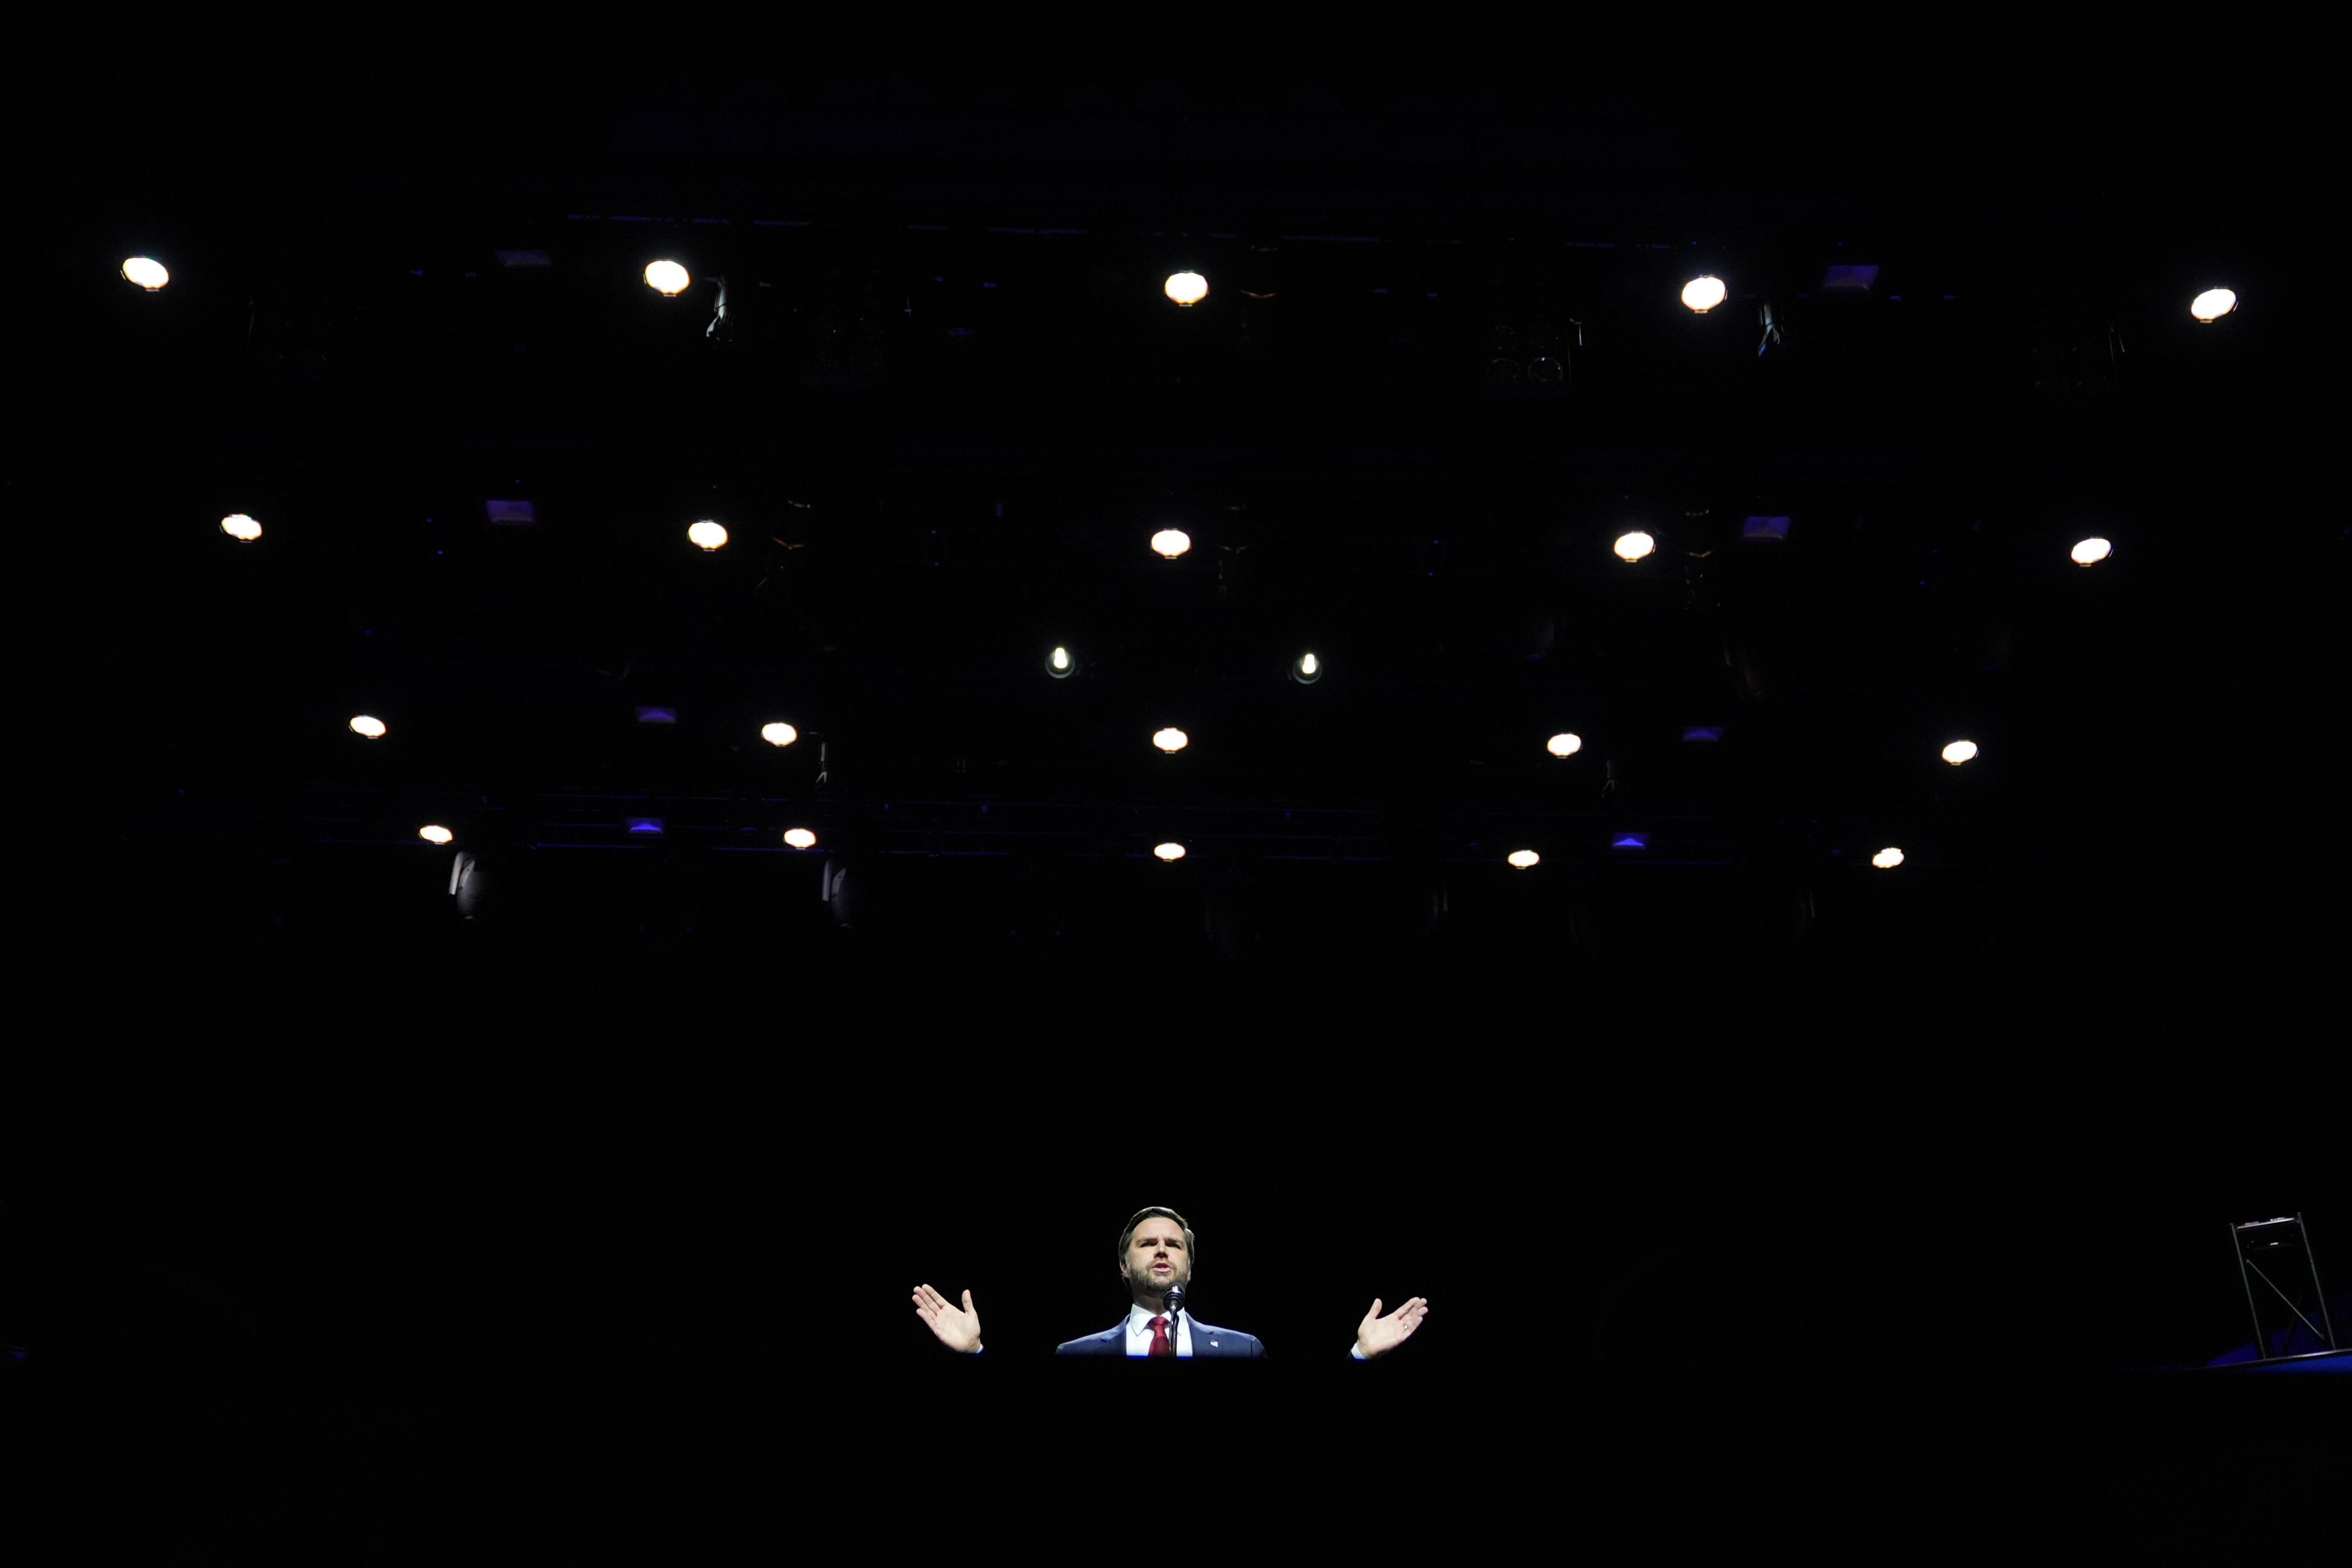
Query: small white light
666	278
1523	859
2090	552
1635	545
779	734
1172	541
1887	859
1306	664
1564	744
2213	304
1171	739
1061	659
800	838
1171	851
1703	294
371	728
708	534
432	834
1187	288
1960	751
236	525
147	273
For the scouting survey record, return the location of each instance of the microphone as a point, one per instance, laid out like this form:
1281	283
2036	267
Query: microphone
1175	1302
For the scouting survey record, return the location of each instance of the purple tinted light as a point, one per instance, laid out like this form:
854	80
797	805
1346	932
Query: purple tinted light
656	715
1848	279
1765	528
1630	841
511	512
1703	733
644	824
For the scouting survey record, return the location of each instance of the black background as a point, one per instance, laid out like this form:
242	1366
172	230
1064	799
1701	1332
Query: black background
370	1235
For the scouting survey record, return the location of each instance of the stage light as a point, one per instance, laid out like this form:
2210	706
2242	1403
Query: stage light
1703	294
708	534
1633	546
1169	851
2213	304
779	734
2091	552
432	833
666	278
236	525
1059	664
1564	744
1629	841
1960	751
1171	739
800	838
1172	541
363	725
1887	859
1523	859
1187	288
1306	669
147	273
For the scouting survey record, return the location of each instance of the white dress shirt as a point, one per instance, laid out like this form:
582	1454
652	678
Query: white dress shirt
1139	1331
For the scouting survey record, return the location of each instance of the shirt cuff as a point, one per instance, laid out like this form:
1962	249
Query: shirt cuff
1358	1352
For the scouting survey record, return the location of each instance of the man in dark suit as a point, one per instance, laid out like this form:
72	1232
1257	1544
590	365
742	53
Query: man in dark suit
1155	1257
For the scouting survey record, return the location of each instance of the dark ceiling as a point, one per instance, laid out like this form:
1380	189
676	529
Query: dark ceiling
1441	365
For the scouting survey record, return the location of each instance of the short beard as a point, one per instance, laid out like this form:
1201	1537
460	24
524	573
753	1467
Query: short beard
1144	1285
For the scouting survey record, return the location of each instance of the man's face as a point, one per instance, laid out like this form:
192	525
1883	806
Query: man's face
1157	1257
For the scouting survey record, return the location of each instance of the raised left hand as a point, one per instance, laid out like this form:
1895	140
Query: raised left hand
1376	1335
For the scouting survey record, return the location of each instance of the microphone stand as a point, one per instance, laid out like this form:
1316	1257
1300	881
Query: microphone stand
1175	1304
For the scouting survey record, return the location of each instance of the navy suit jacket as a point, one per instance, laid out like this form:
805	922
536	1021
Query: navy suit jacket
1207	1340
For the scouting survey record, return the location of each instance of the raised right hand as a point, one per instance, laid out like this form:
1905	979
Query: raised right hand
959	1331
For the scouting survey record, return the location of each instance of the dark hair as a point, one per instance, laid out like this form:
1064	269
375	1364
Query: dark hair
1128	1234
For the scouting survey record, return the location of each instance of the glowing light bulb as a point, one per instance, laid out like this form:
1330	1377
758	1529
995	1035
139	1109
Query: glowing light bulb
1564	744
1633	546
147	273
1171	851
2213	304
708	534
779	734
435	834
1061	658
371	728
1887	859
1960	751
2091	552
800	838
1523	859
1703	294
1171	739
1187	288
666	278
1306	664
1172	541
236	525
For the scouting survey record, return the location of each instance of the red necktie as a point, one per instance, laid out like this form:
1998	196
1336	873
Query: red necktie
1160	1343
